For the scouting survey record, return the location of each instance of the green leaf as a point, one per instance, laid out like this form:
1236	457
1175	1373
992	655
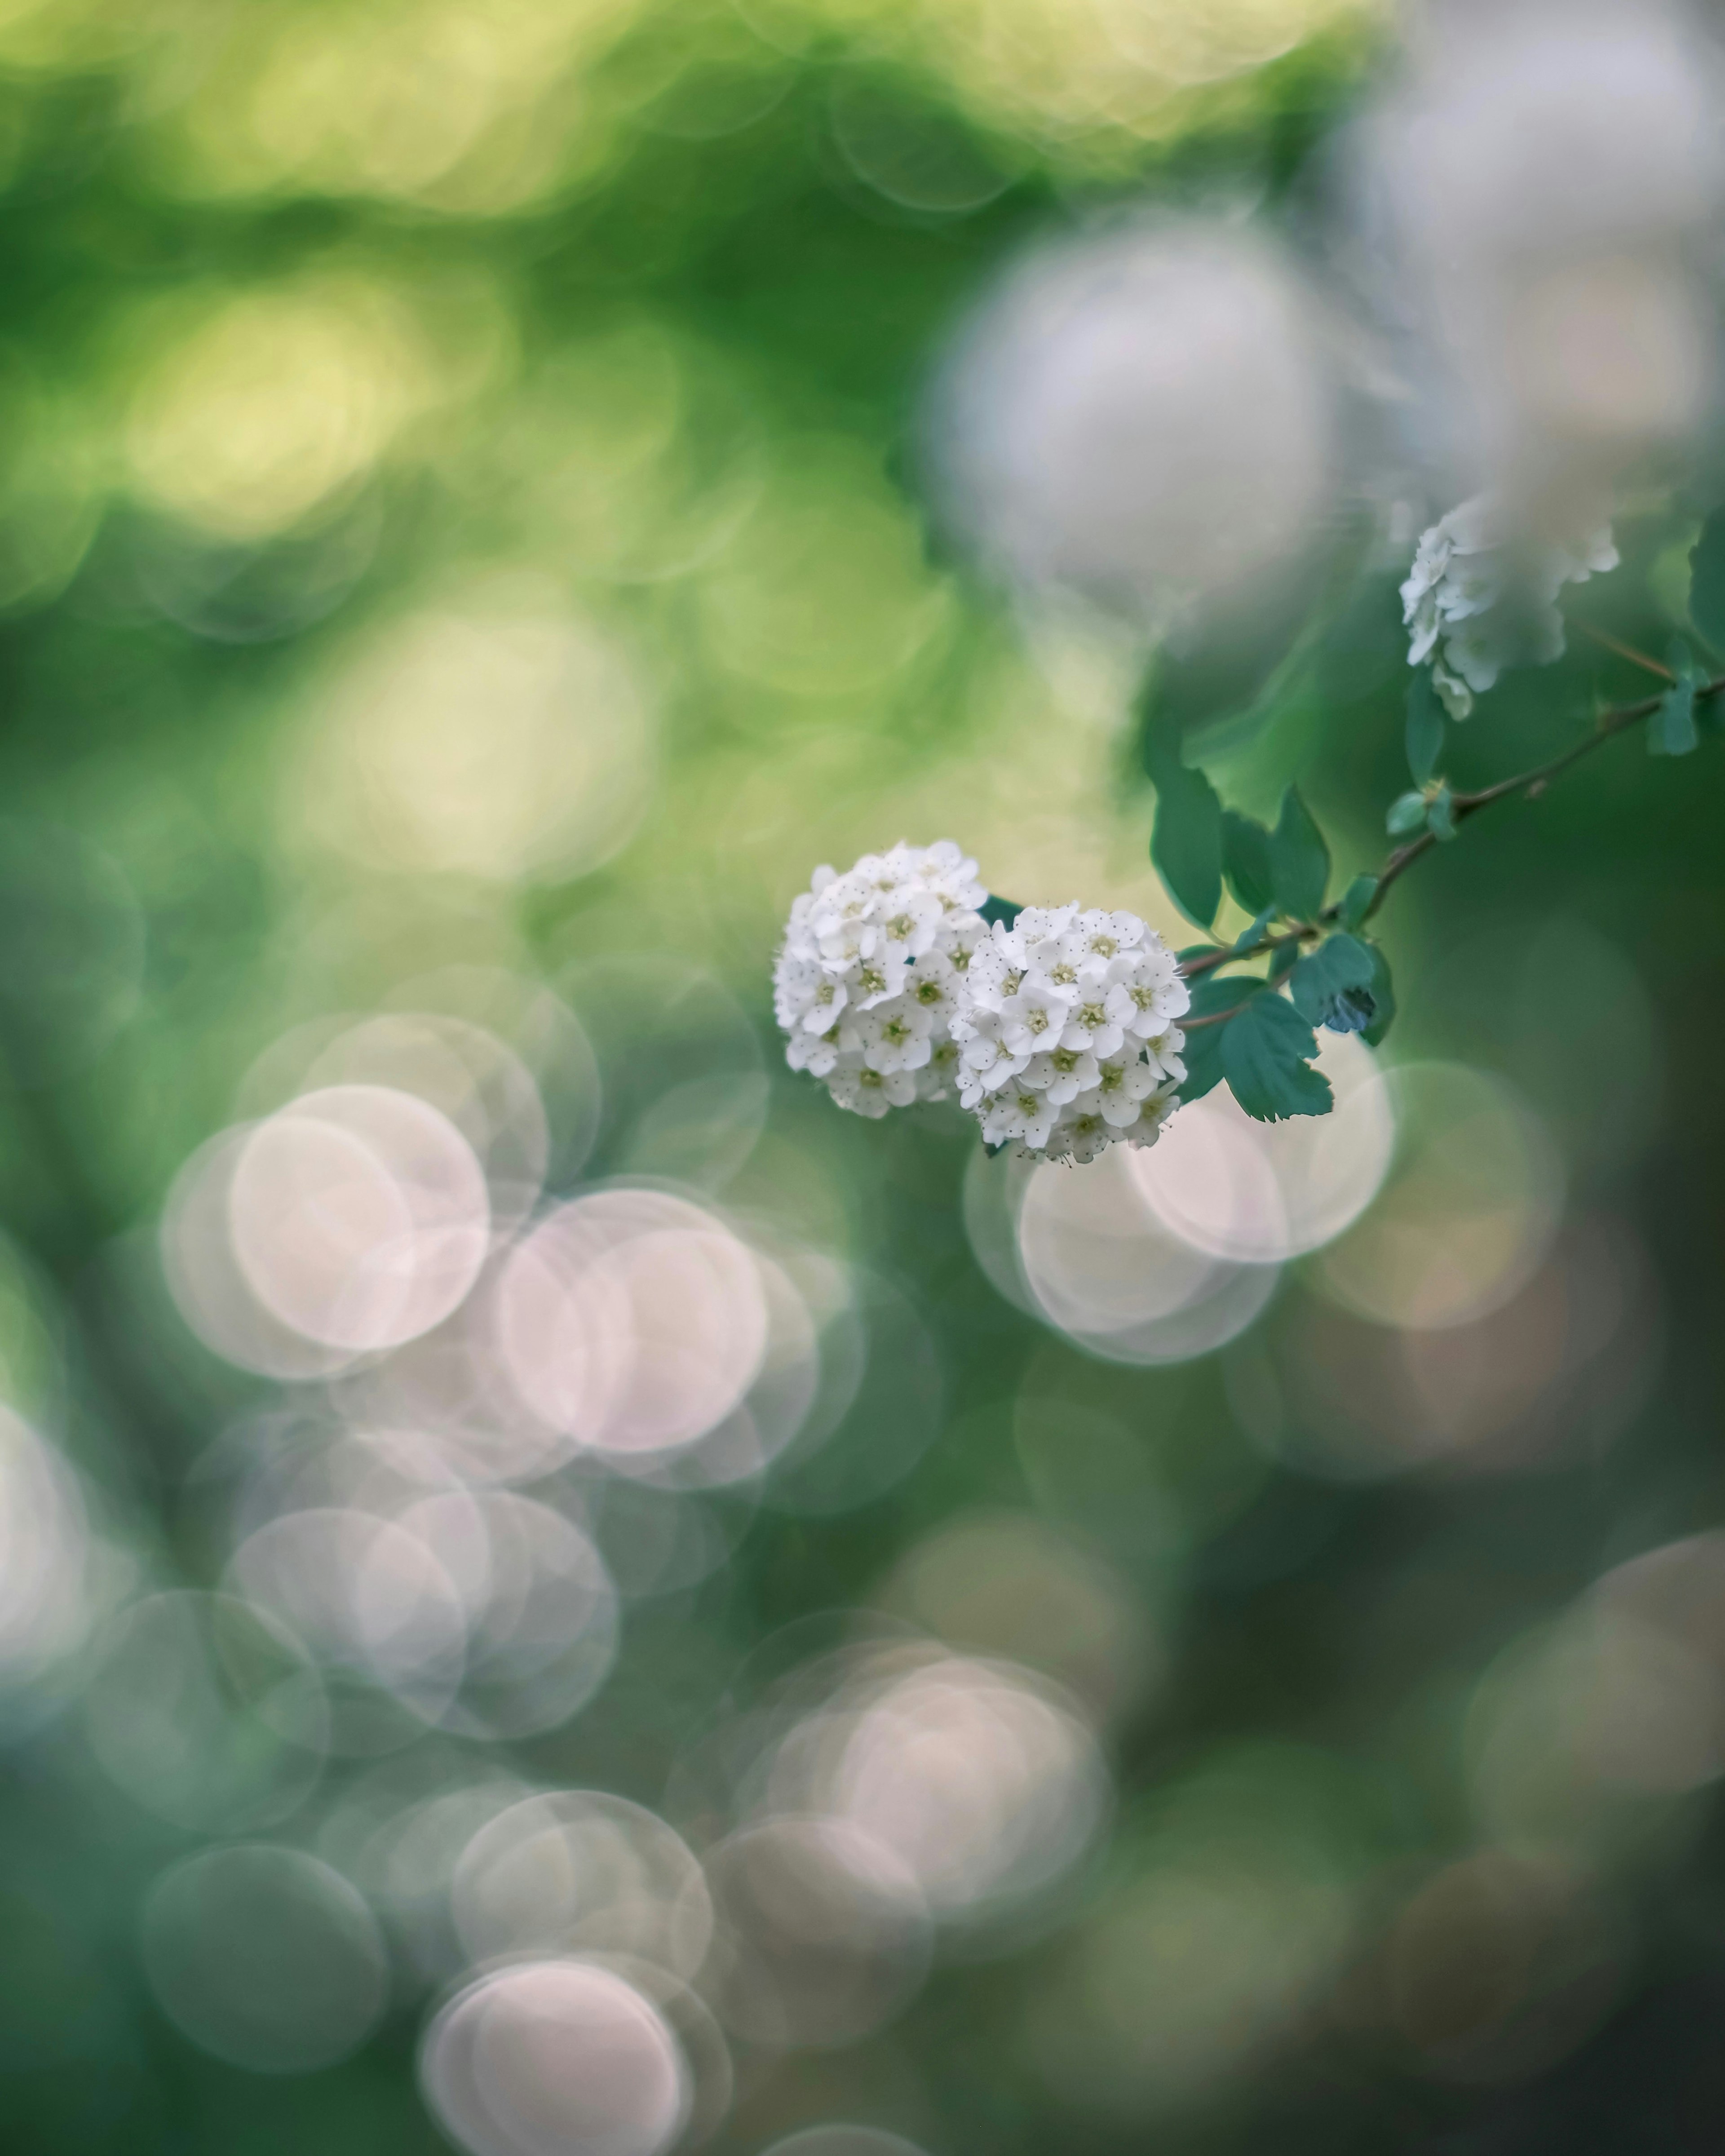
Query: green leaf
1331	986
1246	860
1249	938
1407	813
1202	1052
1440	815
1265	1051
1186	840
1220	993
1425	726
1006	910
1672	729
1383	995
1707	581
1356	901
1202	1058
1299	859
1282	961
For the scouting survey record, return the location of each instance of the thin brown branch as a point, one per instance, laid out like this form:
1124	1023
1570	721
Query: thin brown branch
1530	784
1609	643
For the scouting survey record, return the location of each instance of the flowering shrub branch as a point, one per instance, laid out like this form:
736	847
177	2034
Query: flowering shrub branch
1066	1029
1461	806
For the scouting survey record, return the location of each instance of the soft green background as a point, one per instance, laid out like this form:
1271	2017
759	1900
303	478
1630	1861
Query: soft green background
458	506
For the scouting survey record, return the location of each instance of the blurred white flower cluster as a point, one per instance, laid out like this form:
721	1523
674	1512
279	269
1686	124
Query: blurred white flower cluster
869	976
1480	598
1057	1032
1067	1037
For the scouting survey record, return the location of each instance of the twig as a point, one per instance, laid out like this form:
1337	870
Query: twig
1610	643
1532	784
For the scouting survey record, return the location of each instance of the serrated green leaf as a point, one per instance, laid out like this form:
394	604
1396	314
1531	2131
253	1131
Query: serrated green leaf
1707	581
1382	995
1425	726
1202	1058
1299	859
1265	1052
1440	816
1006	910
1246	860
1202	1052
1356	901
1224	991
1670	730
1407	813
1320	984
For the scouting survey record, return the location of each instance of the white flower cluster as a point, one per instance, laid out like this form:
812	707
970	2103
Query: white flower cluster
868	979
1477	601
1067	1034
1057	1033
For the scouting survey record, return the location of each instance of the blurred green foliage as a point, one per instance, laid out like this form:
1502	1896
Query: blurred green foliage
459	509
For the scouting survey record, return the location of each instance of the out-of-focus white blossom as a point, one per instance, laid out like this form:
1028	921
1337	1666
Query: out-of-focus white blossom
1481	597
1067	1035
1146	416
1532	202
869	976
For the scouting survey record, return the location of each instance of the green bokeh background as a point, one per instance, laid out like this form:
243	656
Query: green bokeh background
459	506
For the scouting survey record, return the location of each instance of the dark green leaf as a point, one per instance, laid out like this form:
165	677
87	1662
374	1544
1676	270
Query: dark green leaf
1407	813
1299	859
1707	581
1250	938
1202	1052
1186	841
1282	961
1219	993
1382	995
1425	726
1245	859
1006	910
1670	730
1341	967
1440	815
1202	1058
1265	1049
1356	901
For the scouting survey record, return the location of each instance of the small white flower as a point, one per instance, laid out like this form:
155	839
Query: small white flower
1035	1018
1020	1115
1147	993
895	1036
1062	1073
867	984
1479	598
872	1093
1098	1020
1165	1053
1069	1043
1120	1087
985	1062
818	1054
